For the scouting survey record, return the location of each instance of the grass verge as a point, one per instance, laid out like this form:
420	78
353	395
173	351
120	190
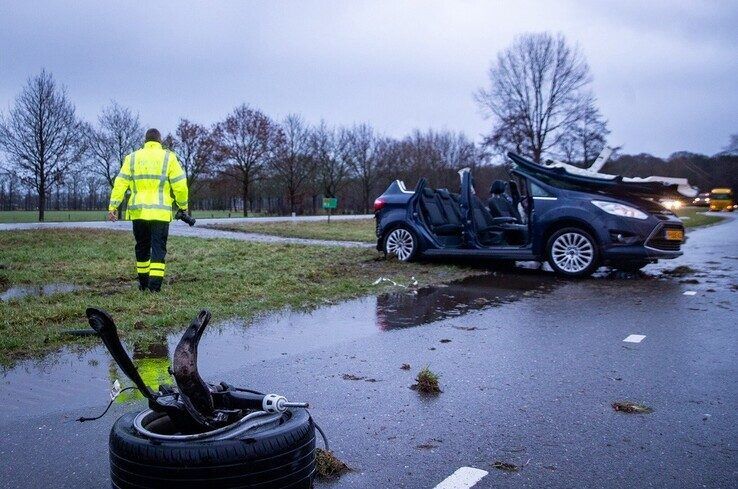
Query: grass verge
231	278
336	230
698	216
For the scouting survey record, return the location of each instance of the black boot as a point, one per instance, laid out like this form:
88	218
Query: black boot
143	281
155	284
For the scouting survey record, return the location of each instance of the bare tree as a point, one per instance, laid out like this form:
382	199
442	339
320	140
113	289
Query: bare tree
245	142
195	148
586	137
41	135
362	157
537	92
327	148
732	147
292	164
118	133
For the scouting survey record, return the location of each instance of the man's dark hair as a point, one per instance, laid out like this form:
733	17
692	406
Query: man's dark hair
153	135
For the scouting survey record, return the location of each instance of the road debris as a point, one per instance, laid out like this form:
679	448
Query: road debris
445	340
327	466
680	271
631	407
426	382
411	285
405	366
357	377
505	466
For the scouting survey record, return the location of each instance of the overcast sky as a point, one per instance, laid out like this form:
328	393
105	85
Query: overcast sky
665	73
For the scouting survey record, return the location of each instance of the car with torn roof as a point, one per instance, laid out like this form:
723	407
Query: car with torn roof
573	218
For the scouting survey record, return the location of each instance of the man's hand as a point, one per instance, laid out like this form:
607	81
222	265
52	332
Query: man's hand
112	216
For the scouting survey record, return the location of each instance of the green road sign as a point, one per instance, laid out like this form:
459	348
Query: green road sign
330	203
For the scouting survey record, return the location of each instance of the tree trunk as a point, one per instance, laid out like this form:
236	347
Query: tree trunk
41	203
245	192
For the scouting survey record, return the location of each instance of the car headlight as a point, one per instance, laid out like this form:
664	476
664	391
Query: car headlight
622	210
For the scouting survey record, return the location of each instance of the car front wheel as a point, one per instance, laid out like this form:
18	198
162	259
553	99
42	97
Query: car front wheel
572	252
402	243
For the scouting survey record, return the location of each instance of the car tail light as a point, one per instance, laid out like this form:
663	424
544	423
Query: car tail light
378	204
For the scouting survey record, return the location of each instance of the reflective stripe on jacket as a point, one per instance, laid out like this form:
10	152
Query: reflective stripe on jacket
153	174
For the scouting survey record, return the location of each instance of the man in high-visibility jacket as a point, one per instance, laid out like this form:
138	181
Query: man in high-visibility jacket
152	174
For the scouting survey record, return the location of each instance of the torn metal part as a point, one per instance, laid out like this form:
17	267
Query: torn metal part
193	405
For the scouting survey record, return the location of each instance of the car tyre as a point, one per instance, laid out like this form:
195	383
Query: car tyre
572	252
278	457
402	243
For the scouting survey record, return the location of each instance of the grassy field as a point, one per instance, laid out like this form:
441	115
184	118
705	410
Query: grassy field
232	278
101	215
352	230
698	216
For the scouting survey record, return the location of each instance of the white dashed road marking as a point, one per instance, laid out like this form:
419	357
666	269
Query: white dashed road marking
463	478
634	338
690	292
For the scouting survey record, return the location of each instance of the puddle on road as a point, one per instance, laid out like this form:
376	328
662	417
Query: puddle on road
20	291
69	379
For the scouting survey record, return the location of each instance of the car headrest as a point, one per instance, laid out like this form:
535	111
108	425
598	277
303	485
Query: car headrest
428	192
498	187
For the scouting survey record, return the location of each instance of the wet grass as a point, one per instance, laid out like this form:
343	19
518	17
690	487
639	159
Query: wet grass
426	382
231	278
698	216
336	230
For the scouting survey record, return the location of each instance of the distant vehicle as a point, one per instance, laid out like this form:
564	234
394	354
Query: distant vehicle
672	204
573	218
722	199
702	200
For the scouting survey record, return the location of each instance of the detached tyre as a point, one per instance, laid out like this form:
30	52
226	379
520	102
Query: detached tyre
572	252
281	456
402	243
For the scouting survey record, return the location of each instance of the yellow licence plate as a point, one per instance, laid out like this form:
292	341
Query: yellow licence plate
674	234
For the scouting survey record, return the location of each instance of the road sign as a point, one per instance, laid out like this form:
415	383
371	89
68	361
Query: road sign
330	203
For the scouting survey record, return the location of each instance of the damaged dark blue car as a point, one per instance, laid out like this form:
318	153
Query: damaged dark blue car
575	219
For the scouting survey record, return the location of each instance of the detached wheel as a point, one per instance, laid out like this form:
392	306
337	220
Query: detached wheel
281	456
572	252
402	243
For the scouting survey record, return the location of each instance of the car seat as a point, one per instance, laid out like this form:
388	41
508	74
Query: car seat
499	204
437	220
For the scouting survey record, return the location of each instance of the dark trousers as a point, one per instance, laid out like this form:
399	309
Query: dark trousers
151	250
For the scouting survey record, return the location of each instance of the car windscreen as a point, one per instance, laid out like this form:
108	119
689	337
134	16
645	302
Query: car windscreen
721	196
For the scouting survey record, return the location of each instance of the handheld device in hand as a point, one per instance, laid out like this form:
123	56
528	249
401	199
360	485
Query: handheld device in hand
184	217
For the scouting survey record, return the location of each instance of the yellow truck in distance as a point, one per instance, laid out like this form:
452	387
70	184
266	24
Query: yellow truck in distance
722	199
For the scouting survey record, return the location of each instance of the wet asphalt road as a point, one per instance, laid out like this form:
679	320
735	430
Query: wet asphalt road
528	382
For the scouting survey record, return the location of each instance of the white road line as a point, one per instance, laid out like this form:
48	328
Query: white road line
463	478
634	338
690	292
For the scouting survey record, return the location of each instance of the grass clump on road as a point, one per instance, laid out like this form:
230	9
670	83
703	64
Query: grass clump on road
697	216
231	278
631	407
336	230
427	382
328	466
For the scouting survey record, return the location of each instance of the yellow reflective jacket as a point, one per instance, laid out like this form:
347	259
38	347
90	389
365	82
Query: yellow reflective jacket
153	174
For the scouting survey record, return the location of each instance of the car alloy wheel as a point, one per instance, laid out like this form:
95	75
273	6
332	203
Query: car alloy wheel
401	243
572	252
